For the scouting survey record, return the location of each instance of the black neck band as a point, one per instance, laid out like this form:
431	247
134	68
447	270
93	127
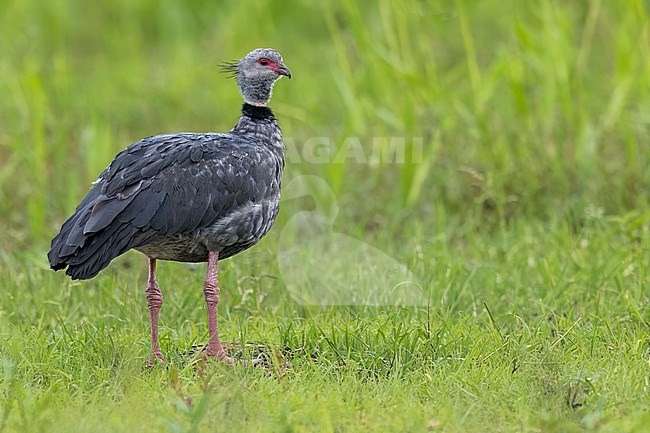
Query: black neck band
257	112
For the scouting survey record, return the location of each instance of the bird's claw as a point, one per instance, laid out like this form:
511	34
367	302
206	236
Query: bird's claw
156	356
227	359
223	356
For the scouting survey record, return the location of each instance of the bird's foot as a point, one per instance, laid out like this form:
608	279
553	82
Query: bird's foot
156	356
223	356
219	354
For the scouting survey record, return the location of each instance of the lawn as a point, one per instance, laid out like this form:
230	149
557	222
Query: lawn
488	162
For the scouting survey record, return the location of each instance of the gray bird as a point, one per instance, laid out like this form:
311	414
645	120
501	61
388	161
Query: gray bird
187	197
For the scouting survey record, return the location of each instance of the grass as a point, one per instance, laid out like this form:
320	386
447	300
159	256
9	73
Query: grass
524	216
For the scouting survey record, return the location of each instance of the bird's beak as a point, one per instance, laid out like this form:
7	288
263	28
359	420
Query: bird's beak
283	70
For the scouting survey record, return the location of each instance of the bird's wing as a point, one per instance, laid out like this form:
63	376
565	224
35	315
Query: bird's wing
158	187
204	182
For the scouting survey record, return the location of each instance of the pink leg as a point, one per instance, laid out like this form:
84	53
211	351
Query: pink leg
154	302
211	292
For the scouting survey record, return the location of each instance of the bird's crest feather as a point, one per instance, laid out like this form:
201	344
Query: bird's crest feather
229	68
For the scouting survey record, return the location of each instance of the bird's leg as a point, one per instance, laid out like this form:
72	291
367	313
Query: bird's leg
211	292
154	302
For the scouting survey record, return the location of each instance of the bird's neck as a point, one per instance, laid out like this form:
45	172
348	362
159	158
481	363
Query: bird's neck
257	112
259	123
254	90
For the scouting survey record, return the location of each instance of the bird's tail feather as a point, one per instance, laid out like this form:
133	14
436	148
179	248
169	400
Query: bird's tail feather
85	255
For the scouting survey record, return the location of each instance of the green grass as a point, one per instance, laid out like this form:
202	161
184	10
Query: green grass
525	218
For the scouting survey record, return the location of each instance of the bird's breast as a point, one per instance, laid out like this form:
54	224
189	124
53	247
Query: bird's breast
240	229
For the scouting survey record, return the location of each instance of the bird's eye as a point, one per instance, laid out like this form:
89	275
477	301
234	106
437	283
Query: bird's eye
263	62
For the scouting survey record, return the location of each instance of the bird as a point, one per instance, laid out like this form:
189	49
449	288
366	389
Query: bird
185	197
330	268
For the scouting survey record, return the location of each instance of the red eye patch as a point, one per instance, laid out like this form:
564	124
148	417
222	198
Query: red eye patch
266	62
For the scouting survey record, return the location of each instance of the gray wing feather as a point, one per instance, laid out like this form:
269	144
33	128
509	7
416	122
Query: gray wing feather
158	187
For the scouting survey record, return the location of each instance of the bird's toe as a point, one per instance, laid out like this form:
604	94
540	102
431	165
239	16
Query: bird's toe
156	357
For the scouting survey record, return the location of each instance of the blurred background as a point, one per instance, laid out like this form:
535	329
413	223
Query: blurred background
507	110
495	152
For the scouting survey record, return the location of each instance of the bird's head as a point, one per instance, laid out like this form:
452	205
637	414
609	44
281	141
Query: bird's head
256	73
